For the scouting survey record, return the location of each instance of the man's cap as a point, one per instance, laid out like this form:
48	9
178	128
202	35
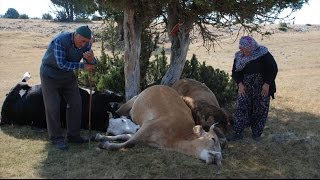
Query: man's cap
84	31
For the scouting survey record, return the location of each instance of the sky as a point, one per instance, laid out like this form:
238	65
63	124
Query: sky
309	14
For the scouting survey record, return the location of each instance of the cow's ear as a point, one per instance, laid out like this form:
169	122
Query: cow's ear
198	130
110	115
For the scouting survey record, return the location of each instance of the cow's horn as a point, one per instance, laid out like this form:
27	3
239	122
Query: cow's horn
212	126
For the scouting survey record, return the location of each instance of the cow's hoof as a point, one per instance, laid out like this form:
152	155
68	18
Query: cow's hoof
98	149
101	145
93	138
104	145
98	137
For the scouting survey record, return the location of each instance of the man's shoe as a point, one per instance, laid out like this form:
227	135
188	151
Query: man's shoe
77	139
257	138
60	143
235	137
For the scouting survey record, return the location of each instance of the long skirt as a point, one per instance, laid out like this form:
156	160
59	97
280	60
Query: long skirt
252	109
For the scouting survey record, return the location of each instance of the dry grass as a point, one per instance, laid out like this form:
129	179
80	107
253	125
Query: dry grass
290	147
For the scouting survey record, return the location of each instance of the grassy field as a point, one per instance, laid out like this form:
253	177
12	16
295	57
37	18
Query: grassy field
290	147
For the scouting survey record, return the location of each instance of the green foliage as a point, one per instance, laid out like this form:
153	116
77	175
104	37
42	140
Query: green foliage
23	16
148	44
283	29
12	14
61	16
75	9
113	79
109	73
218	81
111	36
283	25
47	16
156	69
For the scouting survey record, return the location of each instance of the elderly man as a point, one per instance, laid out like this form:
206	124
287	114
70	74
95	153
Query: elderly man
63	56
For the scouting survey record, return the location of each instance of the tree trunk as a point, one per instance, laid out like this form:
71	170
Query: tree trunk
179	50
178	29
132	35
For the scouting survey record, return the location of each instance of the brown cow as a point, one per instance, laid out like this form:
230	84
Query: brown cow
124	109
166	122
204	106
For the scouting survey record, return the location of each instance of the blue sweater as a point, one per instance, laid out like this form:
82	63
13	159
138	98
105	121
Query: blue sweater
62	57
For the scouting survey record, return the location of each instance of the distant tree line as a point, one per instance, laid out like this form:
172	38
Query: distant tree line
14	14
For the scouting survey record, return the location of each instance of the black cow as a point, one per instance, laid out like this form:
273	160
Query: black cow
24	106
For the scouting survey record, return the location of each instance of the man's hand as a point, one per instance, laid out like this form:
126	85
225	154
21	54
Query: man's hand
89	56
89	67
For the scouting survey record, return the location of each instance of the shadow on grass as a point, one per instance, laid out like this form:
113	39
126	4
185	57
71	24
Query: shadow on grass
296	157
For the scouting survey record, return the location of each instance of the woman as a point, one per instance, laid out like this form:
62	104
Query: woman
254	70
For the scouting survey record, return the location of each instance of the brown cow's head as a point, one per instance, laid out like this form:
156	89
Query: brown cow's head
209	145
206	115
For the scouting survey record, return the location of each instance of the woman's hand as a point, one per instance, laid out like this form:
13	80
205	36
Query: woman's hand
265	90
241	89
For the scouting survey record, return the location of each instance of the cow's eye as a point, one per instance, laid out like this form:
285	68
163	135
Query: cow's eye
213	139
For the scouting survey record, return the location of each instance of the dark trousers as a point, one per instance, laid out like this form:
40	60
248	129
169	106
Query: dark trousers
53	90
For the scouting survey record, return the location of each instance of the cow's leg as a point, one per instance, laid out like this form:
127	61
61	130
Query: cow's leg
137	137
121	137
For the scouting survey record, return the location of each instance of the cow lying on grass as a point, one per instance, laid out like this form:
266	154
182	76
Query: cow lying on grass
24	106
166	122
121	125
204	106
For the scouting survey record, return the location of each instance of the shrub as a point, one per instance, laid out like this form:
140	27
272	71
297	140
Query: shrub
61	16
157	69
23	16
283	29
283	25
47	16
11	13
109	73
218	81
